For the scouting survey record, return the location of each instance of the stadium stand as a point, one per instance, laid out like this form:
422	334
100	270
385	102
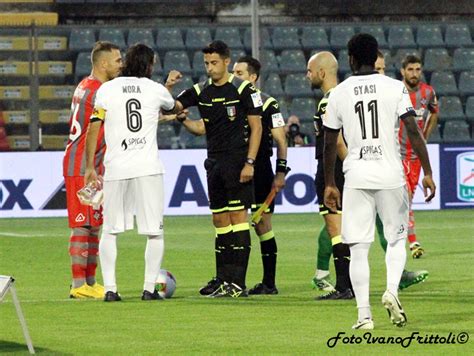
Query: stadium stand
285	38
450	108
314	37
169	39
429	36
458	35
303	108
463	59
197	38
178	60
456	131
292	61
140	35
340	35
265	41
114	35
376	31
436	59
81	39
231	36
272	85
296	85
466	83
444	83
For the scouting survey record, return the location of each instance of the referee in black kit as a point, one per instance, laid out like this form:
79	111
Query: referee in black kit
231	110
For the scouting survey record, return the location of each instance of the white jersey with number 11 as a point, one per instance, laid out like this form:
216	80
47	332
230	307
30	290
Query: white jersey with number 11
368	108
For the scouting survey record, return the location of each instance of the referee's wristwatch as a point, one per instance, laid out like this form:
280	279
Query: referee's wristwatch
250	161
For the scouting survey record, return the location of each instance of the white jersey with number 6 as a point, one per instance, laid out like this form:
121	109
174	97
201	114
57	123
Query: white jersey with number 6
369	108
130	109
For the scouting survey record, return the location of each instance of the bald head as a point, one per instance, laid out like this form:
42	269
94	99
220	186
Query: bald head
322	67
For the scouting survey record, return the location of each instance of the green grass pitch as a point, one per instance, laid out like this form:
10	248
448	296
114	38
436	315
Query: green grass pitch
35	252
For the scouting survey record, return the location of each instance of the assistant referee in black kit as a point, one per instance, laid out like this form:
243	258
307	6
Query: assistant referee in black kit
230	109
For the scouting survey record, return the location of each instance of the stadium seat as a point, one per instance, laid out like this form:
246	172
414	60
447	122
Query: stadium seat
197	38
340	35
114	35
444	83
377	32
177	60
230	35
402	53
285	38
165	136
83	65
56	92
198	64
140	35
269	61
429	36
55	68
292	61
235	55
400	36
14	92
169	39
54	142
16	117
456	131
188	140
466	83
389	60
458	35
54	116
470	109
272	85
463	59
24	19
450	108
343	61
314	37
183	84
283	107
304	108
296	85
14	68
435	136
19	142
265	42
436	59
157	67
81	39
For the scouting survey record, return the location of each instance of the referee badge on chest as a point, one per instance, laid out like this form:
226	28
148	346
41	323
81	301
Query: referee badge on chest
231	112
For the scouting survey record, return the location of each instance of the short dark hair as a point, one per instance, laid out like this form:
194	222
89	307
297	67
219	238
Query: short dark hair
410	59
253	65
218	47
380	54
100	47
363	48
138	60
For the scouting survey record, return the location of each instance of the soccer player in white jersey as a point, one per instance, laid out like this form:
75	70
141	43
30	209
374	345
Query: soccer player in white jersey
369	106
129	107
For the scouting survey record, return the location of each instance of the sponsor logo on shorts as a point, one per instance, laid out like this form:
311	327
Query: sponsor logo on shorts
80	218
401	229
465	176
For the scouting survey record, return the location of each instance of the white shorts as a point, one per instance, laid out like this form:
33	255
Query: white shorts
360	206
142	197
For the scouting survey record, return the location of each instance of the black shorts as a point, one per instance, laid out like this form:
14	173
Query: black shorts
263	180
320	185
226	193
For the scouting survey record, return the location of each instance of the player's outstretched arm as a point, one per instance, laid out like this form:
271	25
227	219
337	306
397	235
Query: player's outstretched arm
279	136
91	145
332	196
174	77
419	146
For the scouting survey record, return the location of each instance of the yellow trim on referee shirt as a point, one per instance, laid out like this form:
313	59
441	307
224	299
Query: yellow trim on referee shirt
197	88
242	86
267	103
241	227
223	230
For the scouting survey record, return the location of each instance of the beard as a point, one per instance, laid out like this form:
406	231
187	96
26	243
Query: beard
413	83
316	85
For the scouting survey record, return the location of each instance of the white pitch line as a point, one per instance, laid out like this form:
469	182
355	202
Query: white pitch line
14	234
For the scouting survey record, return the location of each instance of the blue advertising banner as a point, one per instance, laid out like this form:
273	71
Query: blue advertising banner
457	176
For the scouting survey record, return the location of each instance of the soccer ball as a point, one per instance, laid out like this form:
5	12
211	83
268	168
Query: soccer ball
165	284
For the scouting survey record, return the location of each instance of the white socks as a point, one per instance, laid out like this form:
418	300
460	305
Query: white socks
108	257
153	256
360	277
395	259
